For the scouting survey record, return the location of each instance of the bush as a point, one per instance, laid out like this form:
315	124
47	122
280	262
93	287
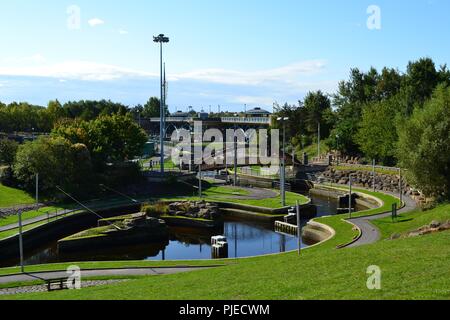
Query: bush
156	210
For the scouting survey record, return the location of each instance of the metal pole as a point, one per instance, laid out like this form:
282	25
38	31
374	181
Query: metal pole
22	267
318	142
37	188
200	181
373	174
350	197
401	186
161	131
235	155
299	228
283	168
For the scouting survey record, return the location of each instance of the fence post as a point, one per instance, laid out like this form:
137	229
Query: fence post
299	229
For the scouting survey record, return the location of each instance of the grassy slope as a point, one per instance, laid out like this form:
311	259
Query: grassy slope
11	197
338	274
412	268
412	220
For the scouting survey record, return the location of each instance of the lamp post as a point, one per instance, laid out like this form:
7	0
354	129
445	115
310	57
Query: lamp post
337	149
22	267
350	200
161	39
235	150
283	164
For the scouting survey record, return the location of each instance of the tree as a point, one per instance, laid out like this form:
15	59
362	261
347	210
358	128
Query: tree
377	134
422	77
53	158
114	138
317	111
424	145
8	150
152	109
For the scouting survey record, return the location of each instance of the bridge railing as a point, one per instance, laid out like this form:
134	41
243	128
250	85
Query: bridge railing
259	120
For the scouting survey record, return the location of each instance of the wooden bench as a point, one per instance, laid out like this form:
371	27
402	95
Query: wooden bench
56	284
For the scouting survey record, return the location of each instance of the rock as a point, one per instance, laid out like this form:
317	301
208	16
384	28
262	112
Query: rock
395	236
435	224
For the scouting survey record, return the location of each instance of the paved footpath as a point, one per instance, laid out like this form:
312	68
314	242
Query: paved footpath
100	273
37	219
370	233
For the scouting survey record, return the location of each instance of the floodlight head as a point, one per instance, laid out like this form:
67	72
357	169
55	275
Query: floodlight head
161	39
279	119
286	119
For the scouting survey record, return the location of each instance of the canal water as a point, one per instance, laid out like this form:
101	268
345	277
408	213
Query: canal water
245	239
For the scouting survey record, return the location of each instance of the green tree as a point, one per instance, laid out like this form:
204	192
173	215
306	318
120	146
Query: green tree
114	138
318	111
152	109
424	145
8	150
58	162
377	134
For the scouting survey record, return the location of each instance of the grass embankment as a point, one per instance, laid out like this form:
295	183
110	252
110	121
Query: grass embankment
13	197
311	150
212	194
411	269
344	230
412	221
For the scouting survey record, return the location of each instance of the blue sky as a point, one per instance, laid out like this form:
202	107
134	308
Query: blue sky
227	52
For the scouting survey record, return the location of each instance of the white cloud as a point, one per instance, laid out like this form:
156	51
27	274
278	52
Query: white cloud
287	73
96	22
123	32
36	58
254	100
80	70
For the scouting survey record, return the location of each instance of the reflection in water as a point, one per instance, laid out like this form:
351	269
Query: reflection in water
245	239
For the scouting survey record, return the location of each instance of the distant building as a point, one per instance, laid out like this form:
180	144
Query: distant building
181	114
258	113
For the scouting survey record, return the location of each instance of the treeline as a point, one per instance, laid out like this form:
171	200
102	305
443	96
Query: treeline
393	117
77	156
24	117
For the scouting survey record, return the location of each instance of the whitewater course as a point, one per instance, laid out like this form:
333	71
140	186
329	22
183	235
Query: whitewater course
183	231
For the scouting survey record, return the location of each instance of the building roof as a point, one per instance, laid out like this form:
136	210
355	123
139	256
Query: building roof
258	111
181	114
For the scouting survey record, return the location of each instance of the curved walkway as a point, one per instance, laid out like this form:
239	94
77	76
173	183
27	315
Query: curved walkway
42	276
254	194
37	219
370	233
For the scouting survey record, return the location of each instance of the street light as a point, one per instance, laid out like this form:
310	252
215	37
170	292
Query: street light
235	150
162	39
22	265
350	201
283	163
337	149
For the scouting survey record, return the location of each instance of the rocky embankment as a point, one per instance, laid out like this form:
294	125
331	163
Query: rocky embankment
195	209
433	227
383	182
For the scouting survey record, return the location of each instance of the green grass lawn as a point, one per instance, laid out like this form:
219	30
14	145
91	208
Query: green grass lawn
12	197
271	203
413	268
311	150
412	221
